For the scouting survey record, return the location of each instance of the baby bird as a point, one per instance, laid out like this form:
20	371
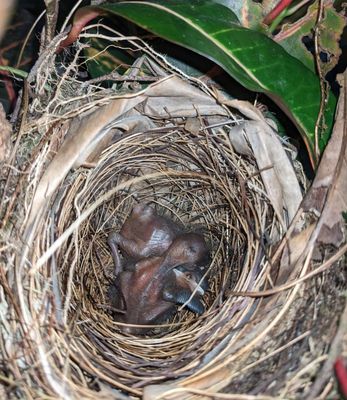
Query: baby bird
143	234
165	270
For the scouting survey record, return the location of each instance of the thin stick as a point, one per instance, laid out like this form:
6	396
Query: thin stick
321	79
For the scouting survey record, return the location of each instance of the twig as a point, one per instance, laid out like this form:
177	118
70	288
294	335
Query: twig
25	105
28	37
115	76
321	79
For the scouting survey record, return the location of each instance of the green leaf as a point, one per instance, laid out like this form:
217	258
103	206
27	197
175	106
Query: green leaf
250	57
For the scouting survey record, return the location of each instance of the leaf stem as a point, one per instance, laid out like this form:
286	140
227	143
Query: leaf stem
14	71
297	7
277	20
282	5
286	13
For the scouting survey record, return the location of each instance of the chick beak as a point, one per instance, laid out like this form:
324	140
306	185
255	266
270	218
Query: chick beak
185	279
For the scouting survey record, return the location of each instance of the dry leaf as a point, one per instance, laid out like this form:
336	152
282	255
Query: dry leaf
293	250
179	99
79	144
327	196
277	172
90	135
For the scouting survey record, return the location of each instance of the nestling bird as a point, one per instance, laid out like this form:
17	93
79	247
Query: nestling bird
164	274
143	234
150	292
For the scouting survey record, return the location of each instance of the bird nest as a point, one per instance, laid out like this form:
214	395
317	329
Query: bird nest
189	183
86	156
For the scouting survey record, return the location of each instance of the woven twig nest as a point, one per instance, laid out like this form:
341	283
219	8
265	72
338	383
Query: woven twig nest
213	165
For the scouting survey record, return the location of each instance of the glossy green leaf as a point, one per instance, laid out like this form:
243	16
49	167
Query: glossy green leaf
250	57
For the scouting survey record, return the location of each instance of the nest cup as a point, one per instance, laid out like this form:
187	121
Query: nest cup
196	180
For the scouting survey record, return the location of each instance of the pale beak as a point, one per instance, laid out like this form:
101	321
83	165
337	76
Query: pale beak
184	280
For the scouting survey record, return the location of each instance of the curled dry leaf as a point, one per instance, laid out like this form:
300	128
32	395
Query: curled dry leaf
276	169
327	196
5	136
88	136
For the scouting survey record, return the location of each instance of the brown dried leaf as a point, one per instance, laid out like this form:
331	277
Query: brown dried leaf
277	172
89	136
83	138
327	196
327	199
293	250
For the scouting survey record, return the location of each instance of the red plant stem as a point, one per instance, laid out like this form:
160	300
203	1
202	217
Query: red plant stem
81	19
341	376
276	11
